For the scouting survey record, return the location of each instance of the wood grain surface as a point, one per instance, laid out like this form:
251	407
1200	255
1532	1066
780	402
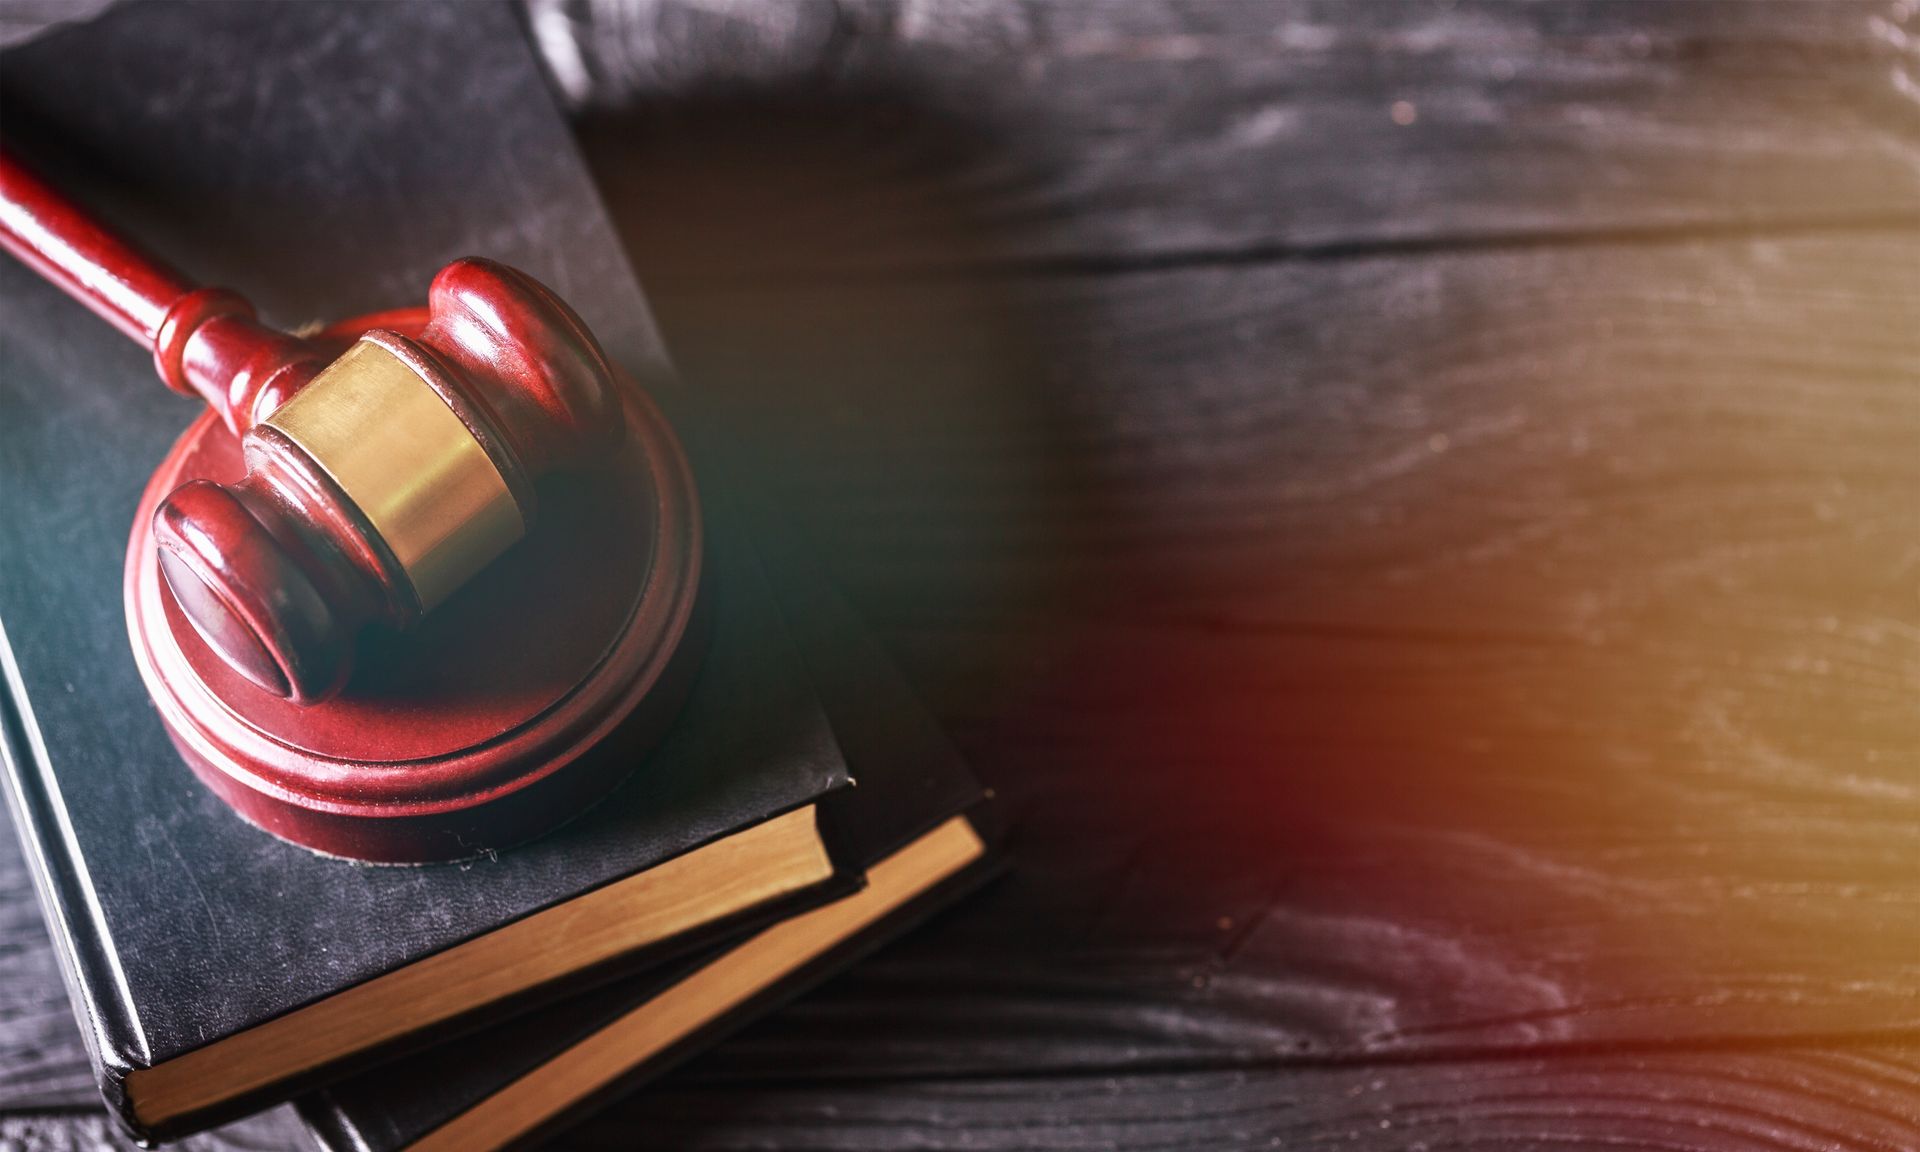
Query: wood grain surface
1153	131
1438	599
1790	1101
42	1063
1404	654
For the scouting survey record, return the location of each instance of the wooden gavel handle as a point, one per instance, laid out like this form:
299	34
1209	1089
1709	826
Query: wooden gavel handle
204	341
125	286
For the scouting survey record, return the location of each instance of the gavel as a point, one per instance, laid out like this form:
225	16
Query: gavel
378	479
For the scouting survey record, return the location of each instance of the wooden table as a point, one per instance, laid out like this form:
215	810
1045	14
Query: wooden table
1415	509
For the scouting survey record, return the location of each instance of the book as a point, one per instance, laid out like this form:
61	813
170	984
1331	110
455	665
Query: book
917	820
213	967
514	1086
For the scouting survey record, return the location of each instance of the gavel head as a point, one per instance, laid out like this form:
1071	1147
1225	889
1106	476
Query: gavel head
388	479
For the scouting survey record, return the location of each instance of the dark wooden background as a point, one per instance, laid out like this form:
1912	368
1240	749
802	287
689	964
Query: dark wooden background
1414	508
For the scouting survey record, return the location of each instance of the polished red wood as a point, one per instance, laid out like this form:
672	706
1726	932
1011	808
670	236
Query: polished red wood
252	578
278	568
288	569
125	286
528	695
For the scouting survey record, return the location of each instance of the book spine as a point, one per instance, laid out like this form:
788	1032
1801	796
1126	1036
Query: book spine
95	985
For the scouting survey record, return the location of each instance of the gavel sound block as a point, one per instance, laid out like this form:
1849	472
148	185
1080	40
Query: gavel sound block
418	587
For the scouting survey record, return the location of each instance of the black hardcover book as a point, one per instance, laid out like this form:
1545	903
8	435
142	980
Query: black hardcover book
326	159
914	820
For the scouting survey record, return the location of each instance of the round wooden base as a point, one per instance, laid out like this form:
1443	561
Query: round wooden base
520	701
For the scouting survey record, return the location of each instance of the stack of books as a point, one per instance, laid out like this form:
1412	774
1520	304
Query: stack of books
327	158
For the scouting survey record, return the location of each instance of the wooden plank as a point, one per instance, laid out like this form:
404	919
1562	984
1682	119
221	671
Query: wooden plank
42	1063
1395	655
1863	1100
1835	1101
1097	134
88	1131
1539	445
